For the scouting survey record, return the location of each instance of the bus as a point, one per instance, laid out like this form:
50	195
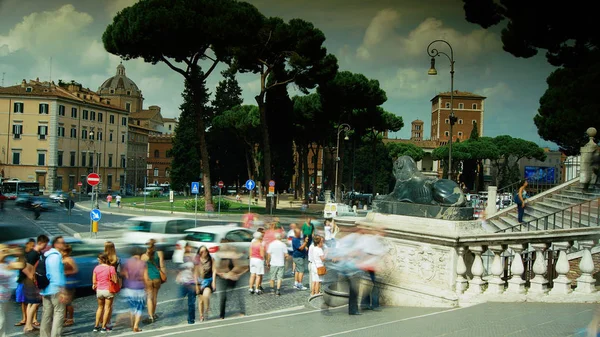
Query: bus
15	186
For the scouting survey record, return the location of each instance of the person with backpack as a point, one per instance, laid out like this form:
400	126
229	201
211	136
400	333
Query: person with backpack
50	279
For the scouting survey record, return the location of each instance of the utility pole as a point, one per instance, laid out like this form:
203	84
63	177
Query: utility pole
3	73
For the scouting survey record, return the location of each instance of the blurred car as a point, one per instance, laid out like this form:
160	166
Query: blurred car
84	254
58	196
165	230
211	236
27	201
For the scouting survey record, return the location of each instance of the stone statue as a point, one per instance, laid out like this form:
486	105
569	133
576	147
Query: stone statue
413	186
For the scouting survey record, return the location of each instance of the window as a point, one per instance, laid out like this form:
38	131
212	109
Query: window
460	134
122	138
112	91
71	182
110	137
44	108
42	131
59	183
92	135
60	131
91	160
109	182
128	106
124	121
473	122
461	105
93	115
99	135
167	173
83	159
128	92
17	131
72	158
474	106
18	108
16	160
100	117
447	105
84	114
170	127
446	133
239	236
28	89
447	121
60	158
111	119
110	159
156	154
73	132
41	159
61	110
460	121
84	134
156	172
73	112
123	162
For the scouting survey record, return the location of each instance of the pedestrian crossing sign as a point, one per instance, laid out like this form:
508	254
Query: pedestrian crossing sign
195	187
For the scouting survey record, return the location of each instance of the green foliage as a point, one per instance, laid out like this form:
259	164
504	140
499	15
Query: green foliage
190	204
365	173
570	106
474	132
397	150
154	194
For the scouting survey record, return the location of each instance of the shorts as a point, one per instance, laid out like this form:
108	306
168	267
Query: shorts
20	293
257	266
276	273
313	273
205	283
104	293
32	293
300	264
136	298
153	284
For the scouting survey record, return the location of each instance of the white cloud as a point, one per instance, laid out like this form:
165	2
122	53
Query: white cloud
499	92
46	33
382	40
94	55
413	83
114	6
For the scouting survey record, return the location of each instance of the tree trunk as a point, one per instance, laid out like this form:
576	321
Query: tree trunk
208	206
249	165
262	108
300	172
374	163
306	173
316	168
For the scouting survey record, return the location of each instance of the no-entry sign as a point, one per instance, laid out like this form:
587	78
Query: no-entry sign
221	184
93	179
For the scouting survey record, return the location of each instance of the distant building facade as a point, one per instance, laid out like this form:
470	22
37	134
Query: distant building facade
549	171
160	161
469	109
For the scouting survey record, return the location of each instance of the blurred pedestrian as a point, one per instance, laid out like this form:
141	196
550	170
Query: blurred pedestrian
71	271
205	275
7	280
20	292
54	296
134	272
290	235
32	293
370	250
118	199
187	287
318	263
115	262
257	264
230	267
299	255
308	230
102	277
109	199
156	275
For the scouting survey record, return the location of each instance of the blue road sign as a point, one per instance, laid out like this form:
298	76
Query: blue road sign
95	215
195	187
250	184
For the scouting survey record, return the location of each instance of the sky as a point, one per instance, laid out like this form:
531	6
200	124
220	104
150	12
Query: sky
385	40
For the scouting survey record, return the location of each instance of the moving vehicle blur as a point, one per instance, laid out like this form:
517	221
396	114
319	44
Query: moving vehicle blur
211	236
165	230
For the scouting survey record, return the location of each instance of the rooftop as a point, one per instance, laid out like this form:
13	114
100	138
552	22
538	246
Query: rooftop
458	93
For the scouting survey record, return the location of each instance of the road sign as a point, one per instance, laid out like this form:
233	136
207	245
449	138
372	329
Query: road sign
79	184
272	183
271	187
195	187
221	184
250	184
95	215
171	196
93	179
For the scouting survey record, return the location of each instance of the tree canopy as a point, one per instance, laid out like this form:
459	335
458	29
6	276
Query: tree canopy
397	150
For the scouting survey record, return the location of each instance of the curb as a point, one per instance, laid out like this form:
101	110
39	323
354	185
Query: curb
70	232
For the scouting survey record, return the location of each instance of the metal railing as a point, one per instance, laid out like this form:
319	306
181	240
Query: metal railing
575	216
533	188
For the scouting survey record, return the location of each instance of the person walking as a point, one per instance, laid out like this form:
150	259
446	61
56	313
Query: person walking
102	277
109	199
156	273
7	281
205	275
115	262
230	267
20	292
187	281
118	200
318	261
520	200
134	272
54	295
70	271
276	254
32	293
257	264
299	256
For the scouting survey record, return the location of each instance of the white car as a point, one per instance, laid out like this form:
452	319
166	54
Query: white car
211	236
165	230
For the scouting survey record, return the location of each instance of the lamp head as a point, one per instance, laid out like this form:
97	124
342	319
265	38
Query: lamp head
432	70
346	138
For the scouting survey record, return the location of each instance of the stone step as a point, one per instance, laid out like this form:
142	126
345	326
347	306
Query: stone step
512	222
498	224
573	222
560	201
583	194
550	206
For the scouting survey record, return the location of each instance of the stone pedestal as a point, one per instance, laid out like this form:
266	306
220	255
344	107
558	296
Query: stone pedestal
490	210
422	210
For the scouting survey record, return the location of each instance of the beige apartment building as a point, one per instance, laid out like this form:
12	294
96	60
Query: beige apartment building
58	134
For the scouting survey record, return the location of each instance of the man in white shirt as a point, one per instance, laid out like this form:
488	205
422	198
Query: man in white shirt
276	254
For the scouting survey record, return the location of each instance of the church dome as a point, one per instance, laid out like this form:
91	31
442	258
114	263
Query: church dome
119	84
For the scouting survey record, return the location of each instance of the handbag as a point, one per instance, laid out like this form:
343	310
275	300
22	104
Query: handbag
163	275
114	287
321	271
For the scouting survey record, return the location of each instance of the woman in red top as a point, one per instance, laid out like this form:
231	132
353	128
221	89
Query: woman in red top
257	264
102	276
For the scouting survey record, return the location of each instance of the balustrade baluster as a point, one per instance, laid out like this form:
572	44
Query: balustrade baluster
477	283
495	282
562	284
516	284
461	268
539	284
586	283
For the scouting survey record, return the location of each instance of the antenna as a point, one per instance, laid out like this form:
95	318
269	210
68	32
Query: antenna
50	69
3	73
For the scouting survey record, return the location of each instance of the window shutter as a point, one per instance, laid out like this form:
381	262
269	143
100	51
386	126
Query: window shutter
41	108
39	130
14	129
16	107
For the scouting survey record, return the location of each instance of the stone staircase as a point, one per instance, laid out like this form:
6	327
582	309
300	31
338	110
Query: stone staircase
562	207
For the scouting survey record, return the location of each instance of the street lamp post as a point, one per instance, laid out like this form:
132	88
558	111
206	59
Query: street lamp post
433	53
341	128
